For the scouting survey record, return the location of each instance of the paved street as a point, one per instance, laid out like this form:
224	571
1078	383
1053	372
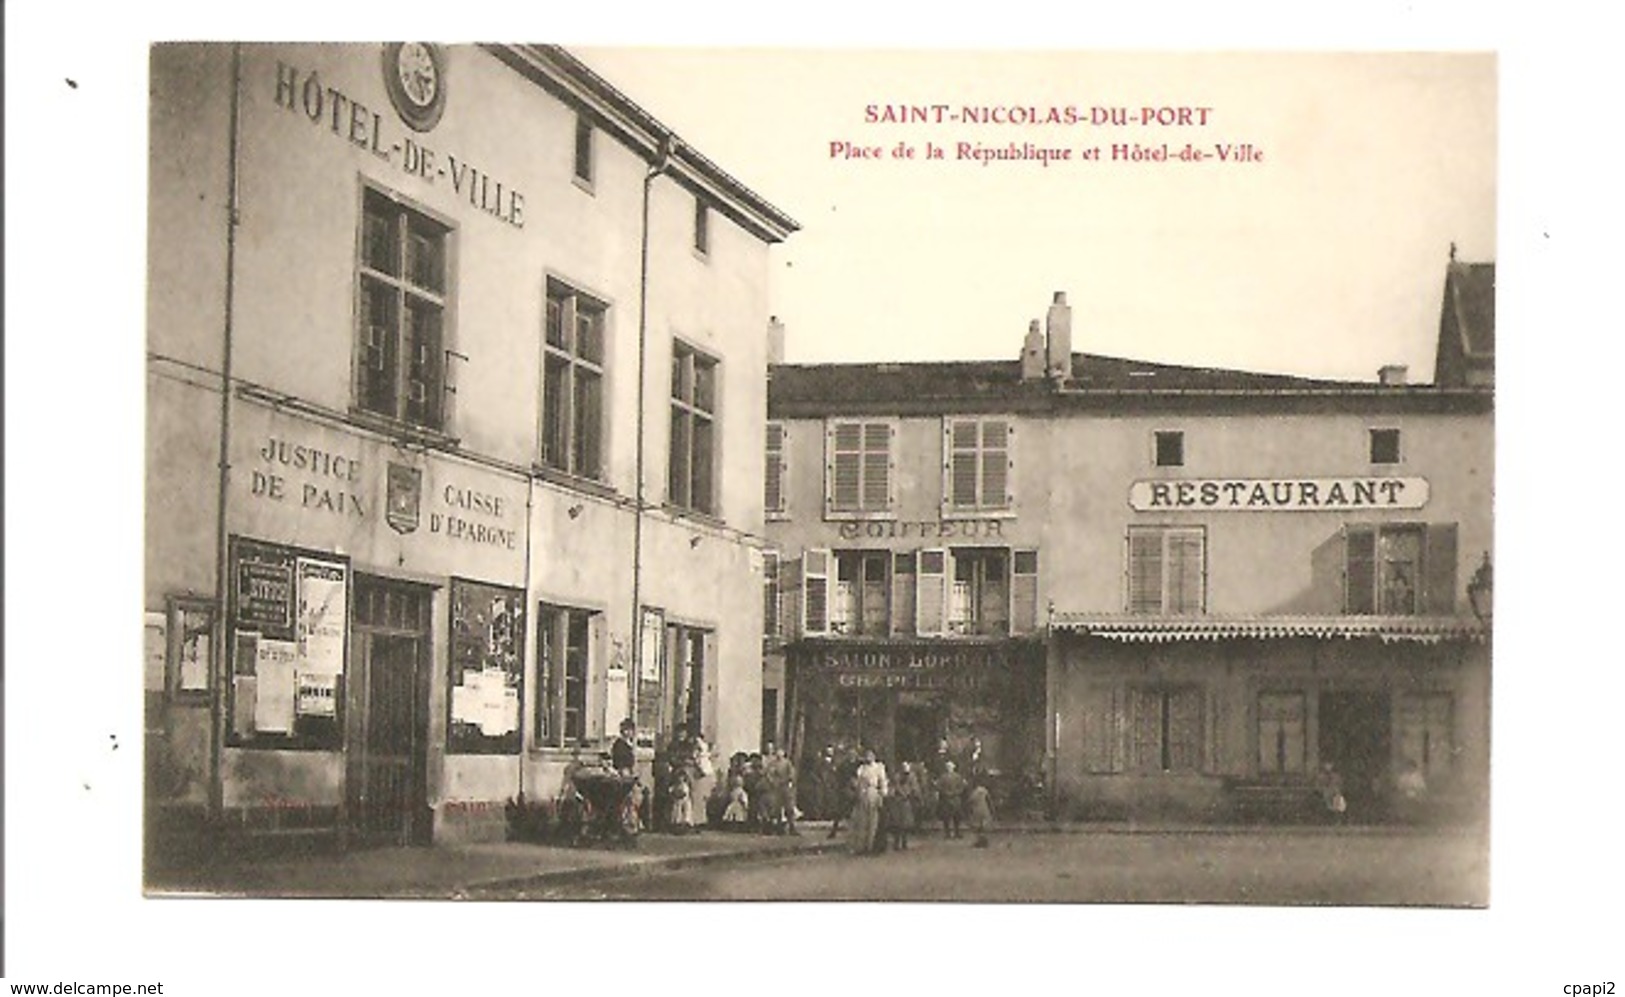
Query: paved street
1432	868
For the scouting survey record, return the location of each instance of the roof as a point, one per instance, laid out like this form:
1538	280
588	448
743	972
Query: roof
804	390
1472	287
1160	629
557	71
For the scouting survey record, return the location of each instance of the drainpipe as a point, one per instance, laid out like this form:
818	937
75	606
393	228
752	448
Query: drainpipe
222	674
668	144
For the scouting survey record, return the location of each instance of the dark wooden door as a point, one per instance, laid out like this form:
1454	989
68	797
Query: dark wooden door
1355	738
388	766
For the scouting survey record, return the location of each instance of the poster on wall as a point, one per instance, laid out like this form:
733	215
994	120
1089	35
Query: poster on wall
651	663
288	627
487	669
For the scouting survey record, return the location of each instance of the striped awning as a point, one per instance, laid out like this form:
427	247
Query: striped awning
1165	629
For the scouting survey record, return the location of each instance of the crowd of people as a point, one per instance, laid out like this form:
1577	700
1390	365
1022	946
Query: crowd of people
762	792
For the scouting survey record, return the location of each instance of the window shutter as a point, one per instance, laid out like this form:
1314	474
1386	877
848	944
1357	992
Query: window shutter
815	593
770	594
1103	729
931	604
773	493
708	694
1439	561
1145	571
1360	577
1010	466
792	597
875	581
962	464
995	464
876	470
1185	729
1024	592
1145	740
597	676
1185	571
903	591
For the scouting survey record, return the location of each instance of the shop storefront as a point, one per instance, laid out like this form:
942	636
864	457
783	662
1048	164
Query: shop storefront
901	697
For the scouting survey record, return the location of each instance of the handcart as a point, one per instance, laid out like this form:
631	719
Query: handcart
609	803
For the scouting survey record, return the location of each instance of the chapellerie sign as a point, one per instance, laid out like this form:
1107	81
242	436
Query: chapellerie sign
1278	494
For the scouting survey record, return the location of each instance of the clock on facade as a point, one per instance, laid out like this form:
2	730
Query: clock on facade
415	76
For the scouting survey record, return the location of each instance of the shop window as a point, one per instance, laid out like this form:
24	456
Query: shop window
1165	731
288	624
979	594
1281	733
402	282
583	149
777	471
857	468
976	465
692	470
573	382
689	651
860	603
563	674
1170	448
702	227
487	669
1426	735
1384	446
1167	571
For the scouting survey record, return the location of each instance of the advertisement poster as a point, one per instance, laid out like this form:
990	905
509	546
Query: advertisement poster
322	615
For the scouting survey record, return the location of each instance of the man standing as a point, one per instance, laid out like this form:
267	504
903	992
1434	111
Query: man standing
623	754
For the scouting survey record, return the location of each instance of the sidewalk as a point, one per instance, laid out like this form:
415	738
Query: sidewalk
471	870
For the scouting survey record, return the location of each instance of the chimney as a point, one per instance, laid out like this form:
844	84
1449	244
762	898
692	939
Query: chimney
1032	353
775	340
1391	375
1059	327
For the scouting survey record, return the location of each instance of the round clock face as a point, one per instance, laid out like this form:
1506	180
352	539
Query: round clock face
418	74
415	75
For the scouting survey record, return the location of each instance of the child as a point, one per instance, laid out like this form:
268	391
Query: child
737	814
979	813
682	803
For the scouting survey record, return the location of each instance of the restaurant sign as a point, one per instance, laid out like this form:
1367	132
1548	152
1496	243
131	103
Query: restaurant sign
1278	494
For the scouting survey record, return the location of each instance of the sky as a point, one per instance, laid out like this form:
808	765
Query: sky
1327	258
1324	257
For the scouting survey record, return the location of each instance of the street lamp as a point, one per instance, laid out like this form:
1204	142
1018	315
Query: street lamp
1481	591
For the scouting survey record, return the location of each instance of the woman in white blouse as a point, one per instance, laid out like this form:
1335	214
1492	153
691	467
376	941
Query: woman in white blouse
870	784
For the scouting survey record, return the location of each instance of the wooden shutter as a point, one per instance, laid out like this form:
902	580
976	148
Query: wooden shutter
931	603
995	457
597	677
1360	573
1145	730
903	591
875	583
1186	571
1144	559
776	466
1184	707
959	442
877	467
843	466
771	610
1024	591
993	615
1103	729
1439	565
815	593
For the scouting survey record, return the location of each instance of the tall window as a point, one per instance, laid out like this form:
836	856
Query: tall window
861	590
977	464
1384	570
979	596
402	283
858	465
583	149
691	482
689	660
573	383
1167	569
1166	731
773	497
564	667
1281	740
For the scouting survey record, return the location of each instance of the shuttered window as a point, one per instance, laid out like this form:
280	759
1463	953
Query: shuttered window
979	595
1281	740
861	584
1424	732
976	465
1403	569
1165	729
815	592
858	467
1167	571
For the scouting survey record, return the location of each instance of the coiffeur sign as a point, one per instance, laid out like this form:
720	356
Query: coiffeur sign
1278	494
